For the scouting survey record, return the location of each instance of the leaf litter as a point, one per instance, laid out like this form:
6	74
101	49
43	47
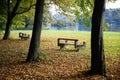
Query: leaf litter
55	64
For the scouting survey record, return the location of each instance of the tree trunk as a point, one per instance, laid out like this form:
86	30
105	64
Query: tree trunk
97	45
34	49
10	17
7	29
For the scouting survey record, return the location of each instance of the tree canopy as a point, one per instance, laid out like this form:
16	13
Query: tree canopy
81	9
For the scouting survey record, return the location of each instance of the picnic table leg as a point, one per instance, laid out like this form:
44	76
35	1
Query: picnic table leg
58	42
75	44
62	46
65	41
78	49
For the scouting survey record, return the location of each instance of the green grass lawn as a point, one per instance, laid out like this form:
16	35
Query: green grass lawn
111	39
56	64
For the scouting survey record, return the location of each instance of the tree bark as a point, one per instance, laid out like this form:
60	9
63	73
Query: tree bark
10	16
34	50
97	45
7	29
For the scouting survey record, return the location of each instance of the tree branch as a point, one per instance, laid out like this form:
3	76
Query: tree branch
8	6
15	7
25	10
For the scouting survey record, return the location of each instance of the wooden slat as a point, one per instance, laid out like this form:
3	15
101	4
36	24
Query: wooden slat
67	39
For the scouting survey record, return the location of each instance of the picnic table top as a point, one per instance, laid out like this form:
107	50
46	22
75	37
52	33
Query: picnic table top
67	39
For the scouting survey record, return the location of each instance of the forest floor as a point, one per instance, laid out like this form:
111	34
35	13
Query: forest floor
55	64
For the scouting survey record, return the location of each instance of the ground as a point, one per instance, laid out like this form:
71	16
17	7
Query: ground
56	64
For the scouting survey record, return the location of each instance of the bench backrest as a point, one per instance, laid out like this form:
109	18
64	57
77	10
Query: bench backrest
20	34
66	40
24	35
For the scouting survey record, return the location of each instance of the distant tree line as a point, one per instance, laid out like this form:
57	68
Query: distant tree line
112	19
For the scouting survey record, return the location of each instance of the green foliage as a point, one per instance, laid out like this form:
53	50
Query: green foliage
47	16
17	23
2	22
2	14
2	7
25	6
106	25
28	18
81	9
24	19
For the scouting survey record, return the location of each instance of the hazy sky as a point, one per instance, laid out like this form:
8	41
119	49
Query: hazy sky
113	5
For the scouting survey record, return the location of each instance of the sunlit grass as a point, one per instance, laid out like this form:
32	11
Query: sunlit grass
111	39
49	37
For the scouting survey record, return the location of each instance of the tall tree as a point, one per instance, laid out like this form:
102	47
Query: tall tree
15	7
10	16
34	50
97	45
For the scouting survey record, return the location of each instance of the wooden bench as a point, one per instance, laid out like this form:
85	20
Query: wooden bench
24	36
81	46
62	42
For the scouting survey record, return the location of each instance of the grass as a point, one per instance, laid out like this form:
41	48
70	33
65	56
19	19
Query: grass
56	64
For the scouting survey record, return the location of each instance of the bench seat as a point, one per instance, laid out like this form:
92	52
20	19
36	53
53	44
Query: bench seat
62	42
24	36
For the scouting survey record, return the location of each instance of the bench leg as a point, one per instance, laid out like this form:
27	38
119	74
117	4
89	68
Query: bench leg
78	49
62	46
